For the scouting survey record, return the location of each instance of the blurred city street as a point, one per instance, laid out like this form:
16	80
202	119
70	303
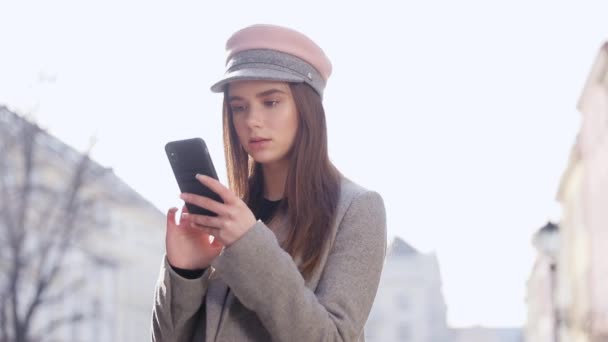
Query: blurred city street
483	127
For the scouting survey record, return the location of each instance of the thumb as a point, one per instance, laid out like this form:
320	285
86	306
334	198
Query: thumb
171	217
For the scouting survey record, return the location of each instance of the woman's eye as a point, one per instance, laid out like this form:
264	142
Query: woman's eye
271	103
237	109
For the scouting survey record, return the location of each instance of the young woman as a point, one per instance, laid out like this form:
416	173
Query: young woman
297	249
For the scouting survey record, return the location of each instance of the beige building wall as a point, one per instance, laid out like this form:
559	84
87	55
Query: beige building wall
594	149
583	193
574	257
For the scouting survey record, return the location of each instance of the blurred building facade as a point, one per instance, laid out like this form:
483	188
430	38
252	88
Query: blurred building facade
594	156
118	261
583	193
409	305
573	260
581	295
481	334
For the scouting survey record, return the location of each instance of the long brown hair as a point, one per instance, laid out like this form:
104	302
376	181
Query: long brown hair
312	187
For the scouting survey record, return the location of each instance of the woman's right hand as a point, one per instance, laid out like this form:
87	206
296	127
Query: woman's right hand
188	247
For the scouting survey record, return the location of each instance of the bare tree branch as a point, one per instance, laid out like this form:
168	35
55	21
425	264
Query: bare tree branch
28	138
7	217
40	225
3	323
52	325
69	289
71	210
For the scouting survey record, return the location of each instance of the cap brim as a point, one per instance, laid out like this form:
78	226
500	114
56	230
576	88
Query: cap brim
254	74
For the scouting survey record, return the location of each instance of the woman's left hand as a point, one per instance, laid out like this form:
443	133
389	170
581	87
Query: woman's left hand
233	220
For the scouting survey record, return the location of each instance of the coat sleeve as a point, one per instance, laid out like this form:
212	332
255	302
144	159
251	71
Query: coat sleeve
177	302
266	280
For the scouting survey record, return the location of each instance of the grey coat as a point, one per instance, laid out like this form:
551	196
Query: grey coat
268	298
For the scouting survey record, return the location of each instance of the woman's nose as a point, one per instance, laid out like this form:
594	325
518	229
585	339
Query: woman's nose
254	117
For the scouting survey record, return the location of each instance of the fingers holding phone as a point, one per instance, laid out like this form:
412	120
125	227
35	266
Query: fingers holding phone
233	217
188	247
188	243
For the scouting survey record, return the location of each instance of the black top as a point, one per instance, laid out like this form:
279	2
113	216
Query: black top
267	209
265	212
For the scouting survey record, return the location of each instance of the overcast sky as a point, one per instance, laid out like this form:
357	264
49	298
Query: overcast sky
461	114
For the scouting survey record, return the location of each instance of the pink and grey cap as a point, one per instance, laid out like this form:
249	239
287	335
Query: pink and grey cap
274	53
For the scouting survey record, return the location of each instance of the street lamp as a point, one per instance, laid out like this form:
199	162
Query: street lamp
546	241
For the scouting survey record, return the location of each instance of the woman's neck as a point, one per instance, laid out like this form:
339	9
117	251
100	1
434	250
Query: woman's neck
275	176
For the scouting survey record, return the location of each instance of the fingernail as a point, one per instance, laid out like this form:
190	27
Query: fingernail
184	215
182	196
198	176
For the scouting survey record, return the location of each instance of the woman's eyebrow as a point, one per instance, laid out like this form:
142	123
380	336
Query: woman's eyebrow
235	98
258	95
270	92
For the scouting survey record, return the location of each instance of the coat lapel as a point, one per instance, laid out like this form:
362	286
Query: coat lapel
227	304
214	303
219	298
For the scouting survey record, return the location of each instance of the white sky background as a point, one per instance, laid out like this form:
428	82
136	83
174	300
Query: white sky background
461	114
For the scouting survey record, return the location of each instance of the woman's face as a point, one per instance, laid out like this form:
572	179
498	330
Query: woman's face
265	118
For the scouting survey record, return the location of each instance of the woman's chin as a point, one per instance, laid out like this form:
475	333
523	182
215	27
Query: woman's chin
262	158
265	158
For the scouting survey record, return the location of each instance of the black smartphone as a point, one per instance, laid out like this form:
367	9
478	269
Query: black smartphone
187	158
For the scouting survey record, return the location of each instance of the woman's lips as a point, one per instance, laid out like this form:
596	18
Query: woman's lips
258	143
